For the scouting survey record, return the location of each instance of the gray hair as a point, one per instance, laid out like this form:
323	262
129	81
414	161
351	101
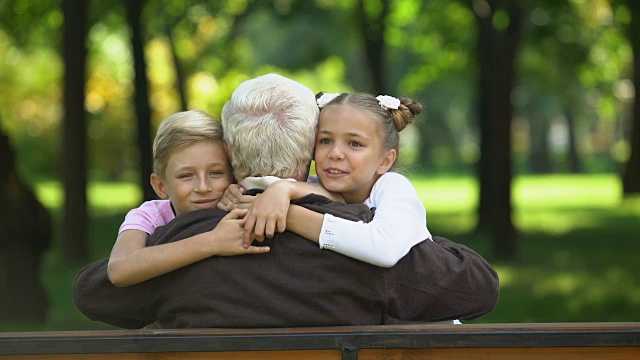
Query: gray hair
269	126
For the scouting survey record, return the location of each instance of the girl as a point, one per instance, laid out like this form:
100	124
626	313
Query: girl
357	143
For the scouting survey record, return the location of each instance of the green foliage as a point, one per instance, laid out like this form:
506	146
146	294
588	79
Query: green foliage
575	60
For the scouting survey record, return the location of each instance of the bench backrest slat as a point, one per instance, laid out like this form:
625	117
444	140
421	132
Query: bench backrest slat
358	342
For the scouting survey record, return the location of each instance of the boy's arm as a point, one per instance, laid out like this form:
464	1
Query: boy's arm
131	262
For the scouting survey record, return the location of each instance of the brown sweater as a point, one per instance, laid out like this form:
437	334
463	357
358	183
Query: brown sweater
296	284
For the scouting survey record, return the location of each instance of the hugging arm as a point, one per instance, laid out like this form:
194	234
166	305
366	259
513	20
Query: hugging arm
132	262
399	222
131	307
437	280
441	280
269	212
98	299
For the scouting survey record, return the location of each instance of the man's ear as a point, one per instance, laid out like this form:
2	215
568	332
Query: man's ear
226	150
386	162
158	186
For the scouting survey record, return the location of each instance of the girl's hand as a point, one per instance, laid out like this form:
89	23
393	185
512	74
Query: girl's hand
243	202
268	213
231	194
227	237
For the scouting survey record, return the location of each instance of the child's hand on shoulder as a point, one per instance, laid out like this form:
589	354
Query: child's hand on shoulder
231	194
268	214
227	236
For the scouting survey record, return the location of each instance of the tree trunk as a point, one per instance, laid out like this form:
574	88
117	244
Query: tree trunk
572	151
25	234
180	77
373	29
631	173
74	244
143	110
497	52
424	150
540	162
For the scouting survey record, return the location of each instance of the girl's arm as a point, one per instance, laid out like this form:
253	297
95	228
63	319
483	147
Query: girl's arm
268	214
131	262
399	223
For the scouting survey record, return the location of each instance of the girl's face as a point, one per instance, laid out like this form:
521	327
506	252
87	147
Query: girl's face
195	177
349	155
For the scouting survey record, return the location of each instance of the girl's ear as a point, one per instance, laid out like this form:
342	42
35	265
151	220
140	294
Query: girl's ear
158	186
386	162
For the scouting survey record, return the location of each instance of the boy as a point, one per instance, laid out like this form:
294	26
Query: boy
191	171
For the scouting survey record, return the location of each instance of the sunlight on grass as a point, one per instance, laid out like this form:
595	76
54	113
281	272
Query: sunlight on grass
562	191
553	204
447	194
102	196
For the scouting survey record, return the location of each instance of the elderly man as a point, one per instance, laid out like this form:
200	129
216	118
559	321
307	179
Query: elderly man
269	127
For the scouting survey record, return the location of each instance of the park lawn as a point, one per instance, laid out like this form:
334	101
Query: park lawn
579	245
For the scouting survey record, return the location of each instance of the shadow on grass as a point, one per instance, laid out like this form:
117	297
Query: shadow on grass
586	271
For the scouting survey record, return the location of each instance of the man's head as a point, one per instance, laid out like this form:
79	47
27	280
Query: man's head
269	126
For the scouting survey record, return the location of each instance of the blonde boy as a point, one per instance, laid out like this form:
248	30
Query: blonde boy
191	172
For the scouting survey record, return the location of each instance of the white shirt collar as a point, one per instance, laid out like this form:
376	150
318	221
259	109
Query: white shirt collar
260	182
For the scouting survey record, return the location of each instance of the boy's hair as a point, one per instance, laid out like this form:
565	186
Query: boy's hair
181	129
269	126
392	121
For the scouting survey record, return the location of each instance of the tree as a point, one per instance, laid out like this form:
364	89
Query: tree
373	25
631	173
25	234
74	145
143	110
500	28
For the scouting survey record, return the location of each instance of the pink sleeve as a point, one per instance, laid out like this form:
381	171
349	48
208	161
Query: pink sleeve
148	217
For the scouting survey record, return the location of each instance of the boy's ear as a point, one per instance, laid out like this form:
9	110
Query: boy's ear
158	186
386	162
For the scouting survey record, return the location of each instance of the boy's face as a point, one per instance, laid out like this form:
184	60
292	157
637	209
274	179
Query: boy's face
195	177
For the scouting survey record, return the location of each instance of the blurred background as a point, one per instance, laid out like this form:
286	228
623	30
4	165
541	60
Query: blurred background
528	150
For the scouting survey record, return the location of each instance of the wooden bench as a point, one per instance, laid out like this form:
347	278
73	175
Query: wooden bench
478	341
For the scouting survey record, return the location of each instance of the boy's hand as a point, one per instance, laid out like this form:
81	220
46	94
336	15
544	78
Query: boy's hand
228	236
268	213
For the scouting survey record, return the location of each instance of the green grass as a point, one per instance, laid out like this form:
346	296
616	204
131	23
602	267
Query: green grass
579	242
579	246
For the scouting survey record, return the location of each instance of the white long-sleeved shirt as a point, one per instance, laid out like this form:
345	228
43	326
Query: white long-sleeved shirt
399	223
